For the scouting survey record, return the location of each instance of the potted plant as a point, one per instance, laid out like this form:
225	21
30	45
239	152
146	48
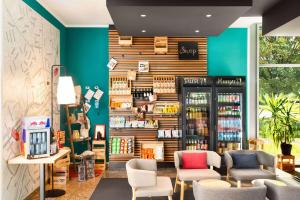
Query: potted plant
280	116
289	120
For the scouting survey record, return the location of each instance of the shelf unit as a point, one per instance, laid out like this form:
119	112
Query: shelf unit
162	65
72	140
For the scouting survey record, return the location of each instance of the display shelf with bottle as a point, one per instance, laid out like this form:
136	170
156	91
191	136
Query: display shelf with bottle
119	85
229	98
141	94
164	84
196	117
196	144
229	119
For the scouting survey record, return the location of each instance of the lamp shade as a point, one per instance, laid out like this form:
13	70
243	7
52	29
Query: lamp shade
65	90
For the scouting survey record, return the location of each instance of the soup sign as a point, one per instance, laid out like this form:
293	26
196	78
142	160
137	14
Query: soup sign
188	50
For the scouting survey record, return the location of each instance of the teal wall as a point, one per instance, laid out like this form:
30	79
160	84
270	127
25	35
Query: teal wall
227	53
87	57
49	17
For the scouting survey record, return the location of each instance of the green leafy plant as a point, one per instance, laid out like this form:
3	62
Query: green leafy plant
280	115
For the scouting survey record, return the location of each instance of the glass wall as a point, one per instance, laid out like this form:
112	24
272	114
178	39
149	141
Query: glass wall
279	91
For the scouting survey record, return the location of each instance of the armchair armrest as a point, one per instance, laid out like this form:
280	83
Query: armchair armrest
146	164
228	161
266	159
282	192
141	178
176	160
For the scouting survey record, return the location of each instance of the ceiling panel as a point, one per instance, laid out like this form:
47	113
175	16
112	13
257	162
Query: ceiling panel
175	18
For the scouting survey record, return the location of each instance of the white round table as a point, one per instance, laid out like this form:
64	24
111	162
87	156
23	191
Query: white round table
260	182
215	183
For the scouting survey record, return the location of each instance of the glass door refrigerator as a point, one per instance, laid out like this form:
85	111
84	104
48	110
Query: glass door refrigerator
230	112
197	113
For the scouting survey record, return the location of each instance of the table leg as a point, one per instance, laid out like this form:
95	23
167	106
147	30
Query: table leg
42	181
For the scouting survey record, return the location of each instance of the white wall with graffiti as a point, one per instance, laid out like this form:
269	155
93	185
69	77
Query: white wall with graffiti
30	48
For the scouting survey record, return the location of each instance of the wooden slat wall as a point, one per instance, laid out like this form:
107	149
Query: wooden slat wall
168	64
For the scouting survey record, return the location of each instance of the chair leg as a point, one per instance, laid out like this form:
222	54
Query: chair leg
227	177
182	190
133	194
175	186
239	184
170	198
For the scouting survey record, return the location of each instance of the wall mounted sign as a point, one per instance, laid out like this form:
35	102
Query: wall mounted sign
143	66
188	51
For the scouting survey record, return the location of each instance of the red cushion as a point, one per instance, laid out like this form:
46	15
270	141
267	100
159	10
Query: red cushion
194	160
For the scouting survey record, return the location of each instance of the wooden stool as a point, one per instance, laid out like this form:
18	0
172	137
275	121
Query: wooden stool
286	162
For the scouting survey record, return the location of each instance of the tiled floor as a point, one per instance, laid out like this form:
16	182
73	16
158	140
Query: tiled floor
75	190
83	190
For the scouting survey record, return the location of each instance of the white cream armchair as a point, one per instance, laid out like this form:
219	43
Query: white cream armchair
184	175
144	181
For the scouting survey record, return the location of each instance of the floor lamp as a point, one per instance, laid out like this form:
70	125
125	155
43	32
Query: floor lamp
65	96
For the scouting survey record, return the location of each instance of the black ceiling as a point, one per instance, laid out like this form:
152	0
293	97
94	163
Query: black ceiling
175	17
259	7
182	17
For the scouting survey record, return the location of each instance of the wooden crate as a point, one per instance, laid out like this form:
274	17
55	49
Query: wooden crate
99	148
160	45
286	163
125	41
60	180
154	145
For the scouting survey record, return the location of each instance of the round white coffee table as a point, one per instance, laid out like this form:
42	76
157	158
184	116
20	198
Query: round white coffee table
260	182
214	183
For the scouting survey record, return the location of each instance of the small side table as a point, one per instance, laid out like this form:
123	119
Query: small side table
21	160
286	163
215	183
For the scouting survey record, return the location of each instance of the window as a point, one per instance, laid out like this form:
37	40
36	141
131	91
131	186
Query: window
278	74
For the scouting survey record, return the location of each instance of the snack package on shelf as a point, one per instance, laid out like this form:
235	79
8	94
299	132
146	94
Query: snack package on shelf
166	107
122	145
117	122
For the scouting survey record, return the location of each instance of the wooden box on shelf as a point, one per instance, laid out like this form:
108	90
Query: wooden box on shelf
286	162
125	41
152	150
160	45
119	85
121	146
164	84
121	103
99	148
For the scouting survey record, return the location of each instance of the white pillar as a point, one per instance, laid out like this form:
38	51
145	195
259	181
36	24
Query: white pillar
252	82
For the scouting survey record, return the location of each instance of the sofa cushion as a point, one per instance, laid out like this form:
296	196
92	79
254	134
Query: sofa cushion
245	161
197	174
163	188
251	174
194	160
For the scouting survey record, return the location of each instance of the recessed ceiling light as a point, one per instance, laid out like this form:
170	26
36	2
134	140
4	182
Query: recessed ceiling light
197	31
143	31
208	16
143	15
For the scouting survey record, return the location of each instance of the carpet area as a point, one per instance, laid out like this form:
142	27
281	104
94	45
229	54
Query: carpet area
119	189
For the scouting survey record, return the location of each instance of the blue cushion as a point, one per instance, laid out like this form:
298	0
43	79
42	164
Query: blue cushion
245	161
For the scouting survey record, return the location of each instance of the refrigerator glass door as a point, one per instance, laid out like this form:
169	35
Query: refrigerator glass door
197	116
229	121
